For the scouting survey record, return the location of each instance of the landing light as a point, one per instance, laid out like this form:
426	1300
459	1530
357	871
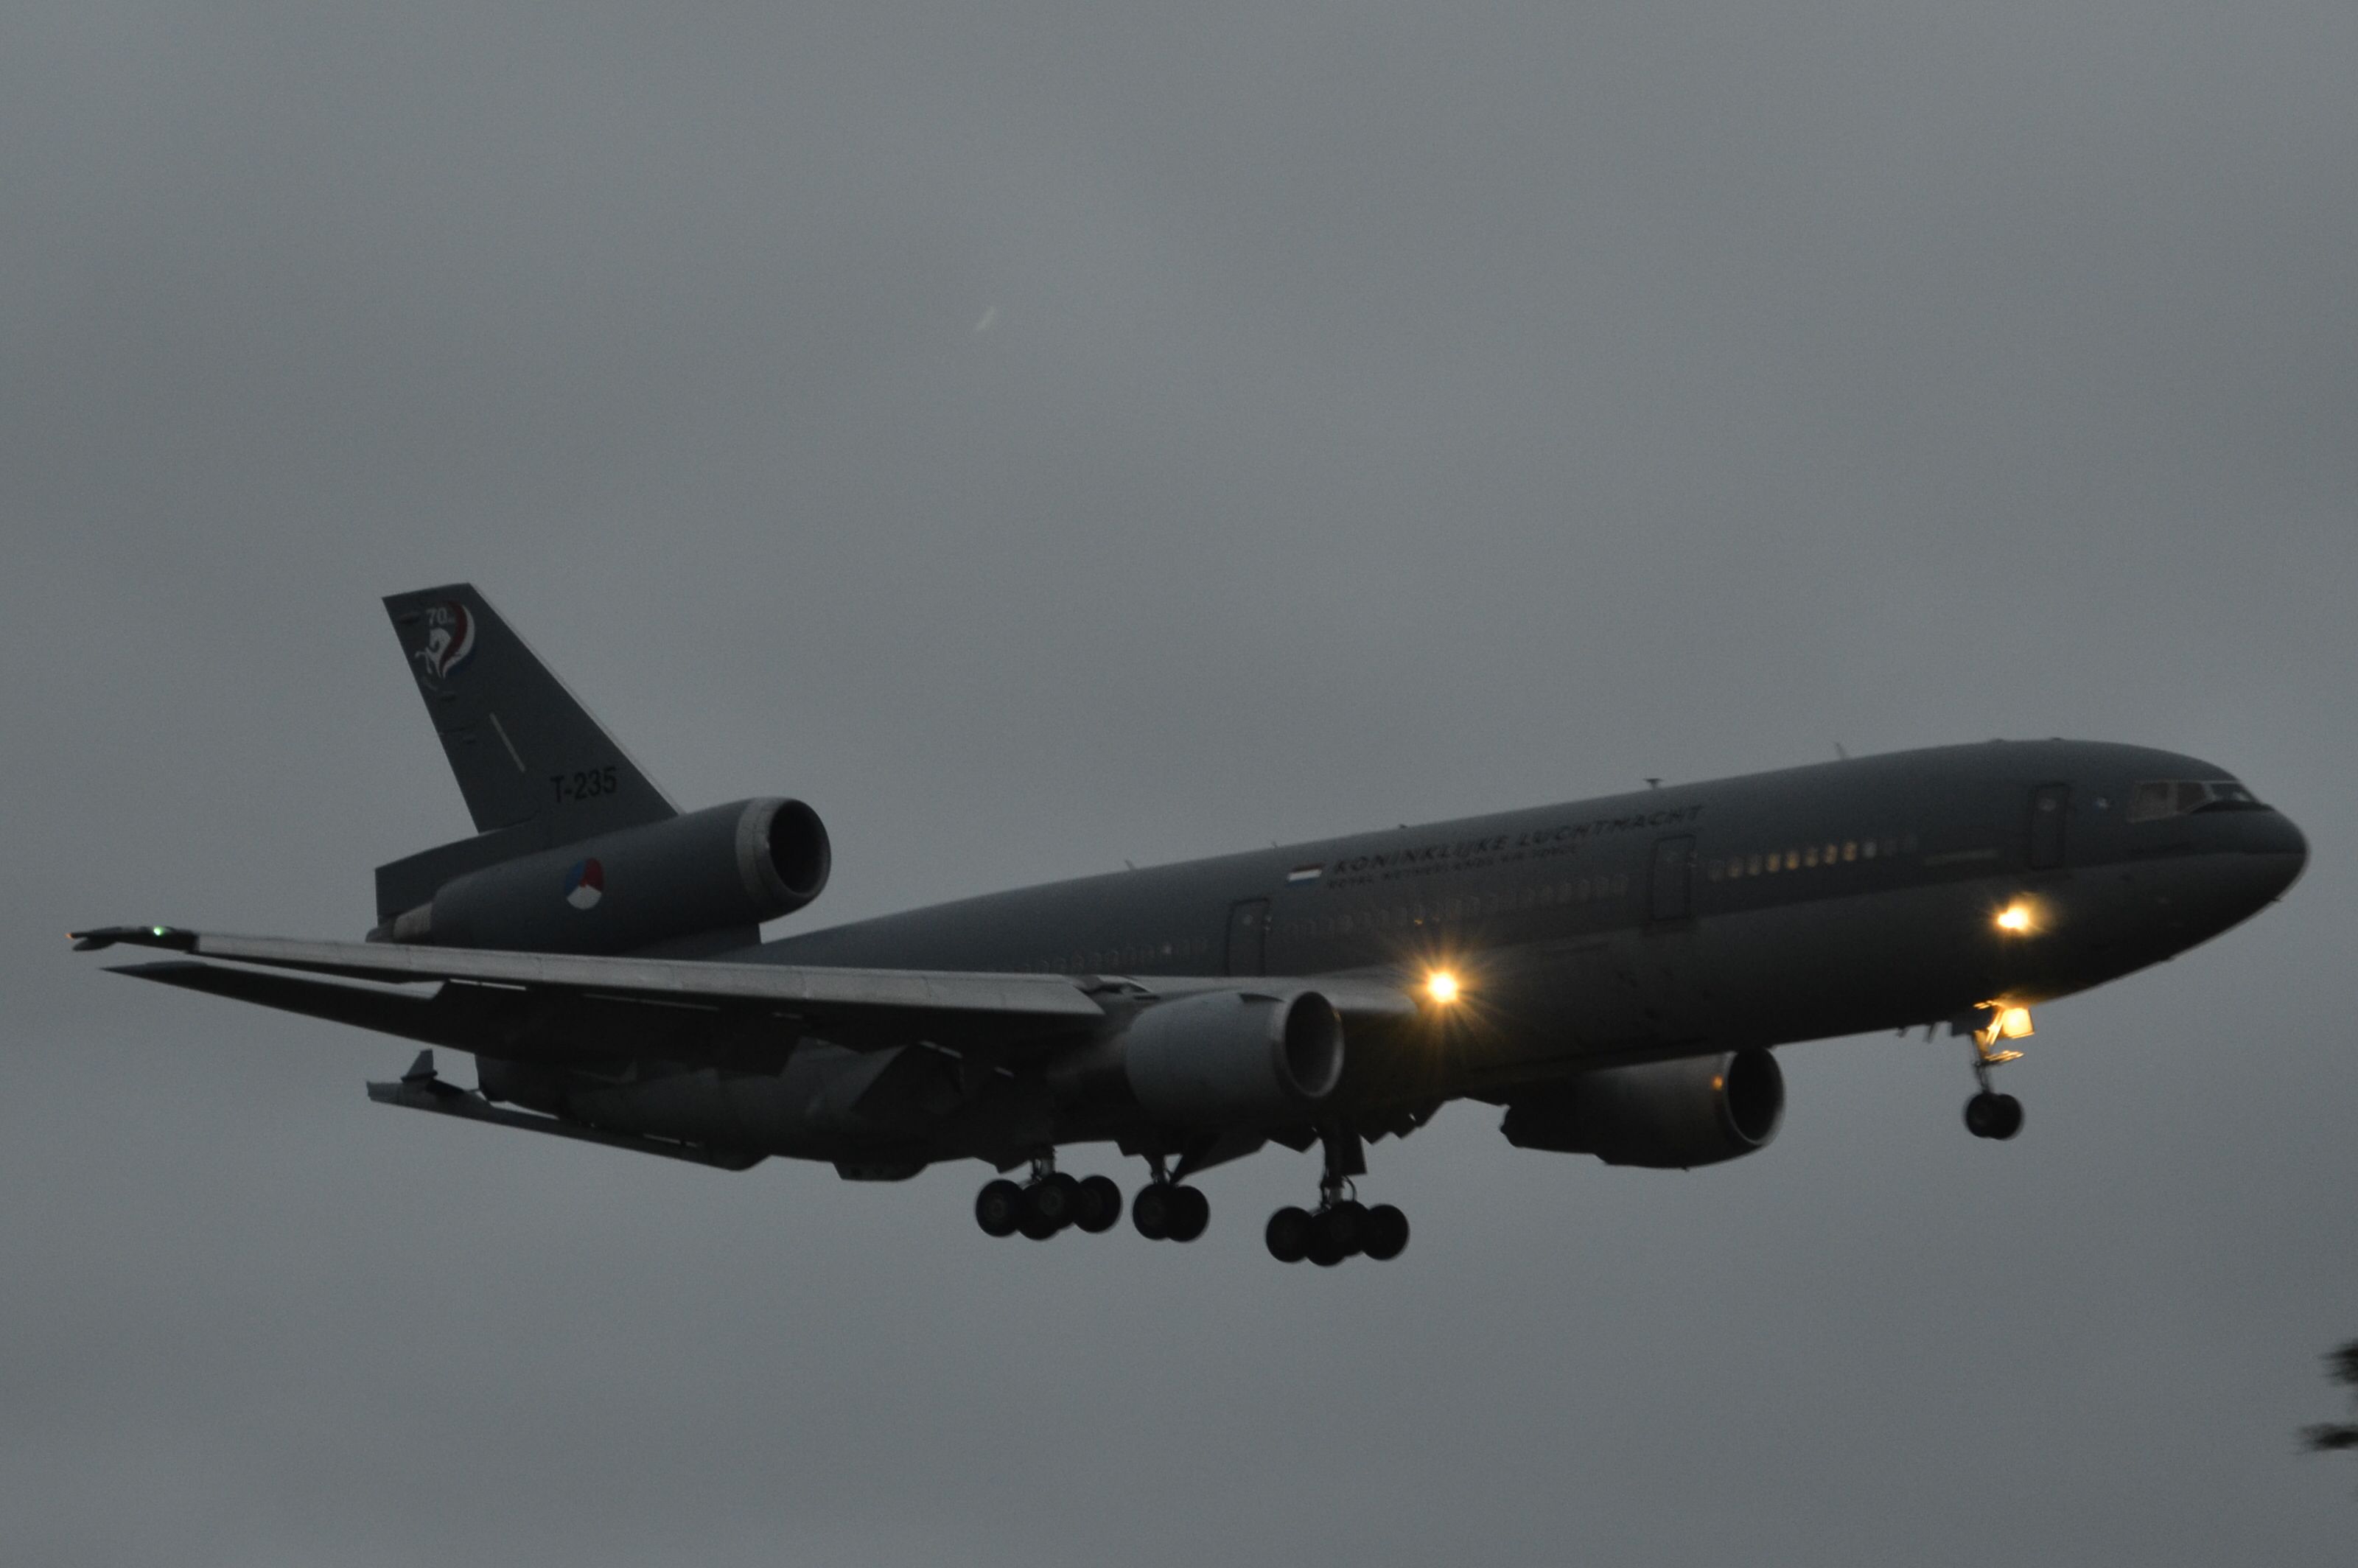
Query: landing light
2015	917
1442	987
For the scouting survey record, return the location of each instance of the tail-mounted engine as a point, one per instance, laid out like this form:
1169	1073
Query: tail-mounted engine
1667	1115
717	873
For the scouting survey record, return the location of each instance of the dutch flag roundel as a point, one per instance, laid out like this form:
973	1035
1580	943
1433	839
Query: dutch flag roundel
585	884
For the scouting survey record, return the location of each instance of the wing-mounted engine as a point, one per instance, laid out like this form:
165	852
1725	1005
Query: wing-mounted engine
1225	1060
1666	1115
714	875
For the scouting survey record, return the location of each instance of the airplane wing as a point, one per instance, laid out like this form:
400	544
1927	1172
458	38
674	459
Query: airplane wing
576	1008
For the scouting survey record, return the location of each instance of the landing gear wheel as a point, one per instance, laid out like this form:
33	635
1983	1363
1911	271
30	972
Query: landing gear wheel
1329	1238
1289	1234
1190	1212
1149	1211
1995	1116
1350	1218
1048	1206
1384	1232
1099	1210
999	1207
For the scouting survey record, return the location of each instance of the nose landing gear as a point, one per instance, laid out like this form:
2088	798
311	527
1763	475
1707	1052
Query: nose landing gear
1989	1114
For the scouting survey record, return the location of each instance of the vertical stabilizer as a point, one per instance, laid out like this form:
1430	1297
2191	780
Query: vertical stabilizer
526	753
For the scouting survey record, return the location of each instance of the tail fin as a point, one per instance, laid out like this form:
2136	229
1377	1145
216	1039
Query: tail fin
528	756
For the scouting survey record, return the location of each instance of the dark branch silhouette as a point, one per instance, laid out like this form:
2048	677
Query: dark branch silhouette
2331	1436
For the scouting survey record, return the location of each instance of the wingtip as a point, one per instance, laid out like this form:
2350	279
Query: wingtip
103	936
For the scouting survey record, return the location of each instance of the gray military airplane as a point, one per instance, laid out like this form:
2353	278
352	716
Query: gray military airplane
1612	973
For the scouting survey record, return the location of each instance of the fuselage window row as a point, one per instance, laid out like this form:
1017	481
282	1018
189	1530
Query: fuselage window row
1846	851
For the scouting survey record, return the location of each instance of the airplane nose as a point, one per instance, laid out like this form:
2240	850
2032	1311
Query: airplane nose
2271	835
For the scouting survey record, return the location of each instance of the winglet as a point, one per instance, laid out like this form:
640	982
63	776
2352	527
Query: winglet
104	937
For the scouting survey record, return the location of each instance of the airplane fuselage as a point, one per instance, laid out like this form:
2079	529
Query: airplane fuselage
1760	909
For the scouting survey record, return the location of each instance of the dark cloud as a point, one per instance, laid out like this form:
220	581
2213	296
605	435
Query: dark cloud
1382	416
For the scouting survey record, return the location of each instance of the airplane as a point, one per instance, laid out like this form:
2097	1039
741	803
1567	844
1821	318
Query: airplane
1613	975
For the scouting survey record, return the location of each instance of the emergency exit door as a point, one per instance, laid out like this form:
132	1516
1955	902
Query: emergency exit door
1673	880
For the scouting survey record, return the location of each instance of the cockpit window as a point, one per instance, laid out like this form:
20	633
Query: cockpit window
2156	798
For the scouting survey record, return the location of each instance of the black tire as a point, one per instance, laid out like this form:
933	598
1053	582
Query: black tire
1149	1211
1100	1206
1048	1206
1982	1114
1328	1241
2010	1117
1349	1220
1190	1212
999	1207
1384	1232
1288	1235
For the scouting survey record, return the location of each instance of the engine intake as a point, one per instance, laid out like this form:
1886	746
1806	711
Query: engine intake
1226	1059
1666	1115
718	873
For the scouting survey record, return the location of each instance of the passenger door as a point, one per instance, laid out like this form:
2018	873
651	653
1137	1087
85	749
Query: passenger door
1673	894
2051	804
1249	937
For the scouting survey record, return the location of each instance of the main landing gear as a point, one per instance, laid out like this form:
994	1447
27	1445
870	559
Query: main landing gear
1989	1114
1341	1227
1046	1204
1166	1211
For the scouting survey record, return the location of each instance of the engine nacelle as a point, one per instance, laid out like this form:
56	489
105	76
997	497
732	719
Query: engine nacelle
723	870
1226	1059
1666	1115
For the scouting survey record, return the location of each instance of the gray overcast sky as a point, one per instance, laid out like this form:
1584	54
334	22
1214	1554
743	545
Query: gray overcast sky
1047	435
